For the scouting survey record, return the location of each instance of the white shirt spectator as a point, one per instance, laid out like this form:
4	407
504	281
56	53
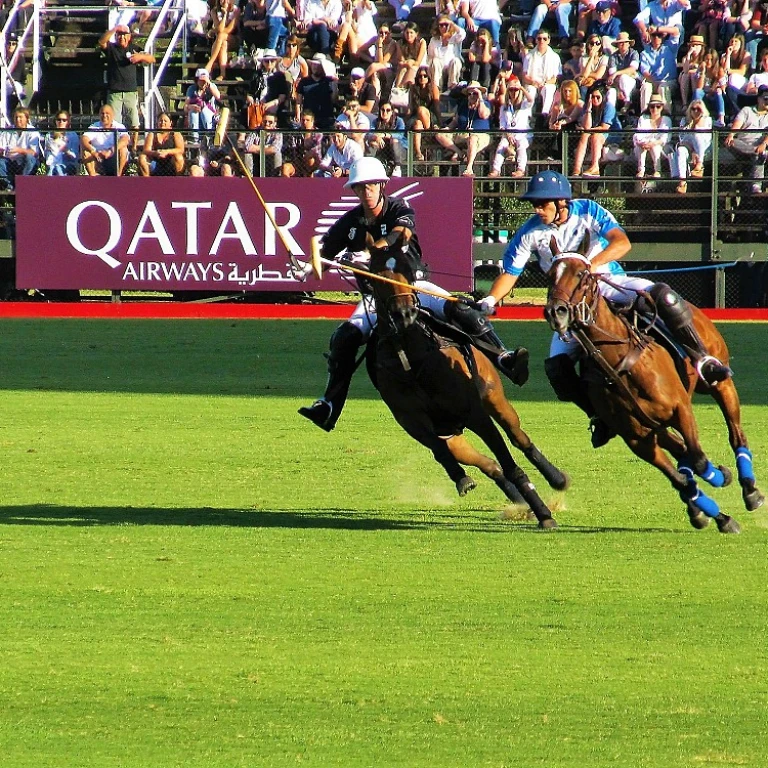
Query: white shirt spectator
101	139
13	139
343	158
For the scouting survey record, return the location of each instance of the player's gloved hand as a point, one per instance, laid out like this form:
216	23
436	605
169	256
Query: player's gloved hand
301	272
487	306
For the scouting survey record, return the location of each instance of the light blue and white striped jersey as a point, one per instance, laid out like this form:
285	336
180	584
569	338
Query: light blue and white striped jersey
533	238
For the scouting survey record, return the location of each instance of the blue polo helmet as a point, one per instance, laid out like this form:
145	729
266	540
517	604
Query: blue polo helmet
548	185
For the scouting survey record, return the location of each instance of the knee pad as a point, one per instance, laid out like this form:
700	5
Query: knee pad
671	306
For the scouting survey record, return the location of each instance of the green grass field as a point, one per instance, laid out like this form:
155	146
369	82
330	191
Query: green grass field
192	575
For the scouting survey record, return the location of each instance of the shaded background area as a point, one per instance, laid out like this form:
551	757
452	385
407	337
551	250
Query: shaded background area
253	358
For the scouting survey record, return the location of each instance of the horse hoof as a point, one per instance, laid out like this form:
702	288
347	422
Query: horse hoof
548	523
465	485
727	475
698	519
563	483
726	524
752	499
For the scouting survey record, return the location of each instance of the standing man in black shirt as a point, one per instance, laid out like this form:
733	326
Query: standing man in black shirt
123	60
380	224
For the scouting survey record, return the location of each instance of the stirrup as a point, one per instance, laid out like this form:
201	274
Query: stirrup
319	413
514	365
711	371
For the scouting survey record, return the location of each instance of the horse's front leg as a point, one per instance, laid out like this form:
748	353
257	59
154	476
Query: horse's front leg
421	429
726	396
700	506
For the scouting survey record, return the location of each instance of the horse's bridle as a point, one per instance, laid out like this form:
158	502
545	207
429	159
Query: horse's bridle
580	313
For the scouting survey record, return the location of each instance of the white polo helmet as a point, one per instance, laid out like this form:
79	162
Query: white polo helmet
367	170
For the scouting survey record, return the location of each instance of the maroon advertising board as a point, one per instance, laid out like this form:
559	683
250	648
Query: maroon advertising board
176	234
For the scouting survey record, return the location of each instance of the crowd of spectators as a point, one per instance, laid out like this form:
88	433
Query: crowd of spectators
327	83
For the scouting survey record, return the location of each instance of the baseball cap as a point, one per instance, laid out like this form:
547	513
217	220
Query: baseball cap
762	89
357	72
603	5
122	28
11	37
202	72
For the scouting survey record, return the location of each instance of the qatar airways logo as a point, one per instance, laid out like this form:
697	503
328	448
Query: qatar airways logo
162	230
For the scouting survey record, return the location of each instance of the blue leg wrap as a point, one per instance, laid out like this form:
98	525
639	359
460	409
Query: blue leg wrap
713	475
744	464
694	496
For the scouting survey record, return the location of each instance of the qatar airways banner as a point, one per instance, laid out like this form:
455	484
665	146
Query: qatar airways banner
197	234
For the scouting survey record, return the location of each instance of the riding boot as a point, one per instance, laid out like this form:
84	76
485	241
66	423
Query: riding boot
677	316
513	364
325	412
569	388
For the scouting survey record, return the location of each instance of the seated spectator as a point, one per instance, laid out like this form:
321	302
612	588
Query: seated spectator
690	68
444	53
322	19
565	115
381	71
354	121
387	140
666	17
362	91
19	149
757	31
226	27
483	58
303	151
542	68
710	18
447	8
561	10
709	85
497	93
692	146
469	127
201	104
651	136
403	10
759	77
317	93
61	151
413	55
163	153
254	28
514	118
358	33
604	25
585	13
572	66
735	64
341	154
623	70
104	146
481	14
748	140
271	149
594	65
658	68
424	112
736	18
515	50
597	121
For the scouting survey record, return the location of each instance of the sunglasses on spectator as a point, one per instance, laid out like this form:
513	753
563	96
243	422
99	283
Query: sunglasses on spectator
654	106
443	26
385	110
696	110
594	42
542	37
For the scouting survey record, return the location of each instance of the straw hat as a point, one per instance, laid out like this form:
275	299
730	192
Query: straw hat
474	85
623	37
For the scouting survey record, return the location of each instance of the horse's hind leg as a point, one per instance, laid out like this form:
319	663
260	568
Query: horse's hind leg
727	398
503	413
487	431
467	454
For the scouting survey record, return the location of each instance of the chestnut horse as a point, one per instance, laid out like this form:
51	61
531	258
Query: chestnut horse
436	388
637	388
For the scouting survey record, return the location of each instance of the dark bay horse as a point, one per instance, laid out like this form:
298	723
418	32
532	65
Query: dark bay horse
436	388
639	389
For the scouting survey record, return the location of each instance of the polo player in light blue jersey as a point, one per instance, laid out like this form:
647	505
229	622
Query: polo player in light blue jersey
570	223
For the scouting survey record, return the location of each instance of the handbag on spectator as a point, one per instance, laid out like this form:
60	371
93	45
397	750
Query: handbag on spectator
255	115
399	98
